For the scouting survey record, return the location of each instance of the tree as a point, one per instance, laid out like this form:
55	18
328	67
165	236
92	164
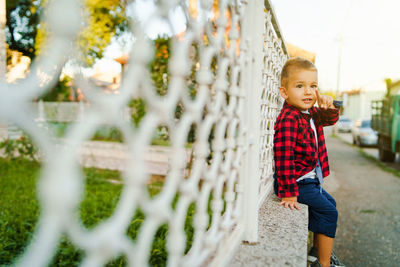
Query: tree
25	33
61	92
3	54
22	21
389	84
107	18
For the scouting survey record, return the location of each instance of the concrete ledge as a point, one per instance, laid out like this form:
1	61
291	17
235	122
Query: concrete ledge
282	239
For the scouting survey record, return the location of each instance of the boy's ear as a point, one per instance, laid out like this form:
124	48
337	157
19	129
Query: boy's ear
283	92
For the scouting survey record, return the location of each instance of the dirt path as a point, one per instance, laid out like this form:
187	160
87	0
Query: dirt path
368	201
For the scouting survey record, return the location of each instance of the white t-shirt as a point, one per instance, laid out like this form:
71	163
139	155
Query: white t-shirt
312	174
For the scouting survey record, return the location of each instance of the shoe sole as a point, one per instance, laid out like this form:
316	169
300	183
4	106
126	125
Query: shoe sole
311	258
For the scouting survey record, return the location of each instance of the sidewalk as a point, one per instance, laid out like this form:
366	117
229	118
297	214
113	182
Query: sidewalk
113	155
282	238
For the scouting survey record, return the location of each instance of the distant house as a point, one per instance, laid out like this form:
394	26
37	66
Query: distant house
18	66
357	102
108	80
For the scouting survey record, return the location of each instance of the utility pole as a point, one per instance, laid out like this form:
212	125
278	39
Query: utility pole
339	65
335	129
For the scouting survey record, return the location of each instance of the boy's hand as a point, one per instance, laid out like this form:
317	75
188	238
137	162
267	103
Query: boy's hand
324	101
290	202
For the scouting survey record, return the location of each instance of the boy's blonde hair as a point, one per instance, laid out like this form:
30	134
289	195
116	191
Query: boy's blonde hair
295	63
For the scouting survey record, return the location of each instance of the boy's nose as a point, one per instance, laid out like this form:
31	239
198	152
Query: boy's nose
308	90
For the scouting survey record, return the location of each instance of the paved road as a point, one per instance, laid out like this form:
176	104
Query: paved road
368	201
347	137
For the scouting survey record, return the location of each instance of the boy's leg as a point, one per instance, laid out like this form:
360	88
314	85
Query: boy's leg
321	211
325	245
322	218
315	241
332	200
329	197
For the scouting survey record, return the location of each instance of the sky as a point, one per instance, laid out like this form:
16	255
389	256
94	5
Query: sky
370	31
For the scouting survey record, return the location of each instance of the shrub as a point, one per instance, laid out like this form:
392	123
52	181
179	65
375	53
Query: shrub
22	147
61	92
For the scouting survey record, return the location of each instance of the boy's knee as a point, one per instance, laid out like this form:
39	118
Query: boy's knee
329	198
333	201
333	215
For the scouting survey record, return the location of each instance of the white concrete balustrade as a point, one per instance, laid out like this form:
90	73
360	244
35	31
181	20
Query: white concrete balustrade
240	54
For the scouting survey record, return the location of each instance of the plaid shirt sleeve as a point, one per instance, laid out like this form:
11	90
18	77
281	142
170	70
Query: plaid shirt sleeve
328	116
284	143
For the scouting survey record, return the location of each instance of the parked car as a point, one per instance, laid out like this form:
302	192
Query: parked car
344	124
363	134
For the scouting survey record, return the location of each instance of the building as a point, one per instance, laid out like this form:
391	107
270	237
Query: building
357	102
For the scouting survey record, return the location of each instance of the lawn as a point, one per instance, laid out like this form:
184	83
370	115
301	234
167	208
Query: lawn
19	212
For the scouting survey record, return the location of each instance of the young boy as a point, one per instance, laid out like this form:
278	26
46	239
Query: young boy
301	159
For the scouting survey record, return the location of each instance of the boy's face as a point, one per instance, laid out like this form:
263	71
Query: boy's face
299	88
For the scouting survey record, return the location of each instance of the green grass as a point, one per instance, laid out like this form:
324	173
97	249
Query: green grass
367	211
162	142
379	163
18	206
19	211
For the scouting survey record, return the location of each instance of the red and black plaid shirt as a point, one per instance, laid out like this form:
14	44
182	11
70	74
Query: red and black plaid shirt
295	146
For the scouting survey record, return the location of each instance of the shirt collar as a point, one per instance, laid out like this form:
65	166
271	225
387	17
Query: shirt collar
307	116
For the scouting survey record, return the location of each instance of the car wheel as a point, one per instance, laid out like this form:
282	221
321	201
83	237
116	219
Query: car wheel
358	143
361	144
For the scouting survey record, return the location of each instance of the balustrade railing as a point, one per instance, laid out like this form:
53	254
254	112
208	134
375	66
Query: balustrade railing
236	57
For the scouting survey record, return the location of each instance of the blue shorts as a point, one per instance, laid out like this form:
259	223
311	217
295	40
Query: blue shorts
322	212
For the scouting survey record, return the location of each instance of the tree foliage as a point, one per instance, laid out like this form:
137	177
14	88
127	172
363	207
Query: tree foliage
104	20
159	65
61	92
22	21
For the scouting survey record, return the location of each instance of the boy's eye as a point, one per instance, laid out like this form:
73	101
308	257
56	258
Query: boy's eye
314	86
299	86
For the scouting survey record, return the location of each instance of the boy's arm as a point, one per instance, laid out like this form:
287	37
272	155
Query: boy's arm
327	113
284	144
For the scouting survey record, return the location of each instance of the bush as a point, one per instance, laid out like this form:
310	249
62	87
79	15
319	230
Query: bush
61	92
22	147
108	133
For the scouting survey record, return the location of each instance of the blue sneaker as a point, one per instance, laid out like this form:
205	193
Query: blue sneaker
335	260
316	263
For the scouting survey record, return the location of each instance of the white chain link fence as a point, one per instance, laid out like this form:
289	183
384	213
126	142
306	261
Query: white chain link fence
233	112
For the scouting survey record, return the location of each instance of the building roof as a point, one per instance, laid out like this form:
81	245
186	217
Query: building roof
123	59
295	51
